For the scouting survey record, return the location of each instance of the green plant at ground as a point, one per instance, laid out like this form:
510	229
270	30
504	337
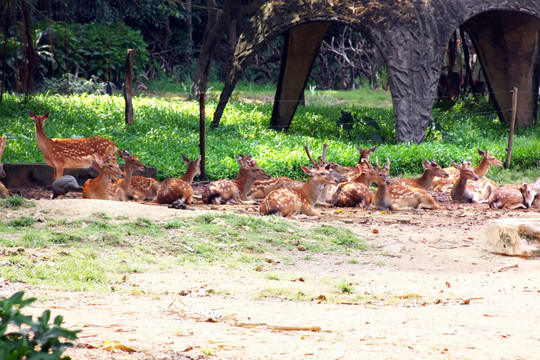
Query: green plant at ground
22	337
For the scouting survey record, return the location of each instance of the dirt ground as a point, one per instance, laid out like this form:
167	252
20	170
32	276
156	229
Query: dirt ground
437	295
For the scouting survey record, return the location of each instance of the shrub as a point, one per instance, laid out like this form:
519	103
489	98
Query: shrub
21	337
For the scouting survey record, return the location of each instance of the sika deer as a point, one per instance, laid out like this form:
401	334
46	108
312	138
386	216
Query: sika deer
108	171
399	197
530	193
174	189
365	153
357	192
432	170
289	202
69	153
509	197
480	170
121	191
460	192
4	193
235	191
262	187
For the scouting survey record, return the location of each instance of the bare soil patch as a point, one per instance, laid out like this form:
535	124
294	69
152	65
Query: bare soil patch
435	294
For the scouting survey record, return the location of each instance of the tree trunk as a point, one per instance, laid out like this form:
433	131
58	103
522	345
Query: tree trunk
7	6
30	53
128	86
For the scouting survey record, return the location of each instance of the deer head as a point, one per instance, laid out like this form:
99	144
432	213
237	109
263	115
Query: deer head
365	153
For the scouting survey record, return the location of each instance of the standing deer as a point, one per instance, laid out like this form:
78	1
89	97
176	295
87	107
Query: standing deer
480	170
460	192
122	191
291	202
398	196
509	197
174	189
356	193
235	191
108	171
4	193
69	153
432	170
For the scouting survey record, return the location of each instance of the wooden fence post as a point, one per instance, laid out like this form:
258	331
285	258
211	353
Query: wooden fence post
202	135
511	130
128	86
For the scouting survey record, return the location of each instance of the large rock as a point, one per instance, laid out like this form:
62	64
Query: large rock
516	237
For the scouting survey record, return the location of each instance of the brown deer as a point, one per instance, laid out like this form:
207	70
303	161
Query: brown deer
432	170
109	171
460	191
398	196
291	202
356	193
365	153
121	191
4	193
530	192
69	153
174	189
262	187
480	170
509	197
235	191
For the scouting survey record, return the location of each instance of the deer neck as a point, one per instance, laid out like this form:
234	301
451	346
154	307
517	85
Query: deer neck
312	191
381	197
460	188
363	179
425	180
128	174
244	182
482	168
42	140
189	175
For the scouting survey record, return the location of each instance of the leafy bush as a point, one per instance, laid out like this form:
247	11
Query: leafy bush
21	337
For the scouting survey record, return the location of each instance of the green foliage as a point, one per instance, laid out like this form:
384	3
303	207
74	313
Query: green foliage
93	49
26	338
164	129
15	202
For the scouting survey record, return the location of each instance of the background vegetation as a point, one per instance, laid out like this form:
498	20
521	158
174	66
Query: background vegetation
167	127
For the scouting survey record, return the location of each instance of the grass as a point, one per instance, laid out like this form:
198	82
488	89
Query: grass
97	253
165	127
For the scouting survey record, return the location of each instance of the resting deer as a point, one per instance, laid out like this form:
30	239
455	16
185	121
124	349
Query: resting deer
365	153
356	193
69	153
174	189
235	191
530	193
4	193
432	170
122	191
398	196
291	202
460	191
108	171
262	187
480	170
509	197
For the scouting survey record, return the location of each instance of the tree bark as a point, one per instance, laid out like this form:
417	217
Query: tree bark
30	53
128	86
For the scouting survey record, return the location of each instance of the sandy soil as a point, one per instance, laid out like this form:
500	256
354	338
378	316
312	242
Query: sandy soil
436	295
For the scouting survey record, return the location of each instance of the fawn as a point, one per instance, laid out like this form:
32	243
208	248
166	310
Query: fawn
398	196
432	170
480	170
122	191
509	197
4	193
460	191
174	189
108	171
235	191
530	193
290	202
356	193
69	153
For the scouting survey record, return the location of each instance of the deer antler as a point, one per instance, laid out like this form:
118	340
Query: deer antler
3	142
310	157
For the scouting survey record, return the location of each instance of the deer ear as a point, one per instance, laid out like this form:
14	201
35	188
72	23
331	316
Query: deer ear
481	152
306	169
119	153
360	167
372	149
32	115
426	164
186	160
455	165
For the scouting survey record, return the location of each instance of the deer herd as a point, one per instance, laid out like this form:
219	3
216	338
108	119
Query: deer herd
329	183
